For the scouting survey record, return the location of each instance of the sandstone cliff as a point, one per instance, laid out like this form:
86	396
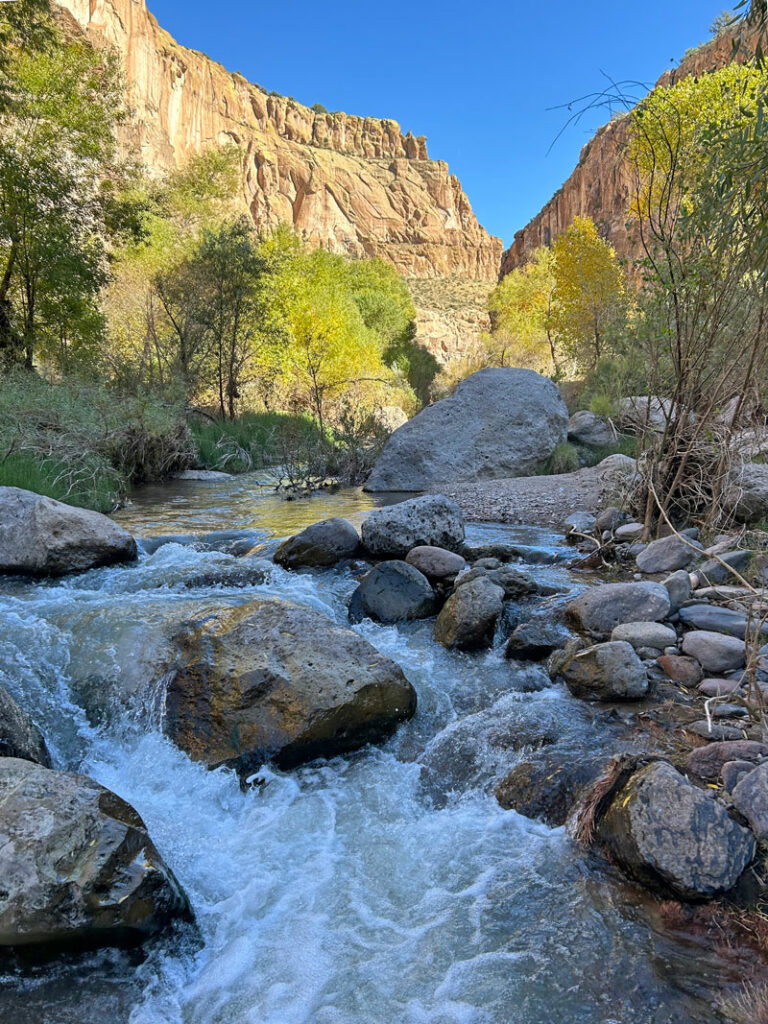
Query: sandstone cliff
352	184
600	185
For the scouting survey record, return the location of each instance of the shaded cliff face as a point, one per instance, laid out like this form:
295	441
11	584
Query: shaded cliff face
601	184
352	184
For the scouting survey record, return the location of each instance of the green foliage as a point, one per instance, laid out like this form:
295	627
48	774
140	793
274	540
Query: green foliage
564	459
521	307
319	108
253	441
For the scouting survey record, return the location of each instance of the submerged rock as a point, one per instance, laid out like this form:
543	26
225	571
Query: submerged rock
669	834
607	672
549	785
536	640
274	681
321	545
600	609
498	423
43	537
393	591
78	867
433	520
469	616
19	736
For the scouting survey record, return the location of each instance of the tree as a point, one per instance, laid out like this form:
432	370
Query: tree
589	295
521	308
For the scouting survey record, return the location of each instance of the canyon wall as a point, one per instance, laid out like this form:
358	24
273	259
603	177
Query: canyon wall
600	185
356	185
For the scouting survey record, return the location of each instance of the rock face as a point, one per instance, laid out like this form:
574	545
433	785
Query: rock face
601	609
43	537
274	681
77	864
498	423
355	185
320	545
666	832
470	614
606	672
393	592
19	736
431	520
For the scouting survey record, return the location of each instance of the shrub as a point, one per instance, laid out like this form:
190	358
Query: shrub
564	459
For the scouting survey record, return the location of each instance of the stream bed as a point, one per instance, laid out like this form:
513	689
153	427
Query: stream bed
387	887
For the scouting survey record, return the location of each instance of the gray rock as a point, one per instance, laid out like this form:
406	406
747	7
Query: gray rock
586	427
43	537
717	732
536	640
713	572
750	798
600	609
606	672
274	681
209	475
707	762
610	519
629	532
578	523
668	554
393	592
718	687
667	833
19	736
469	616
733	772
679	588
433	520
640	412
514	582
435	563
498	423
77	865
645	634
320	545
714	651
715	619
746	498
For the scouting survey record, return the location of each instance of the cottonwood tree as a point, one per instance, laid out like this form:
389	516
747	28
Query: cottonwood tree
521	307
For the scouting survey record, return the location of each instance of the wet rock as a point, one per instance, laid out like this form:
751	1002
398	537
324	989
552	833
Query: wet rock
712	618
536	640
707	762
499	422
609	519
606	672
628	532
588	428
469	616
713	572
206	475
247	572
750	798
681	669
645	634
549	785
679	589
321	545
19	736
668	554
733	772
435	563
432	520
668	834
43	537
274	681
78	867
393	591
600	609
514	582
228	542
510	552
715	652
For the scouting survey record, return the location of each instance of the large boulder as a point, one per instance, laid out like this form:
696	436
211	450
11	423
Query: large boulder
78	867
669	834
320	545
498	423
746	497
586	427
19	736
43	537
606	672
274	681
392	531
668	554
393	592
469	616
715	652
600	609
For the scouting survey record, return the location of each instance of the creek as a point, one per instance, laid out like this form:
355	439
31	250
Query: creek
387	887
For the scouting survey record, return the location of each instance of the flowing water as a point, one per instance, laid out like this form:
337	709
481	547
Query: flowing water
384	888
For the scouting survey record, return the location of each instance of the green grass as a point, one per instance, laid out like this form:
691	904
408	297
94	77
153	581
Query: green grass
625	445
252	441
567	457
101	491
564	459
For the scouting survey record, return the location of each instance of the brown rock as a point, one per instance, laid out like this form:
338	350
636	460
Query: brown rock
707	762
435	563
681	669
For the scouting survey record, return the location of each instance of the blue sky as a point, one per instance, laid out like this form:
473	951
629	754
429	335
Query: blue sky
477	78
